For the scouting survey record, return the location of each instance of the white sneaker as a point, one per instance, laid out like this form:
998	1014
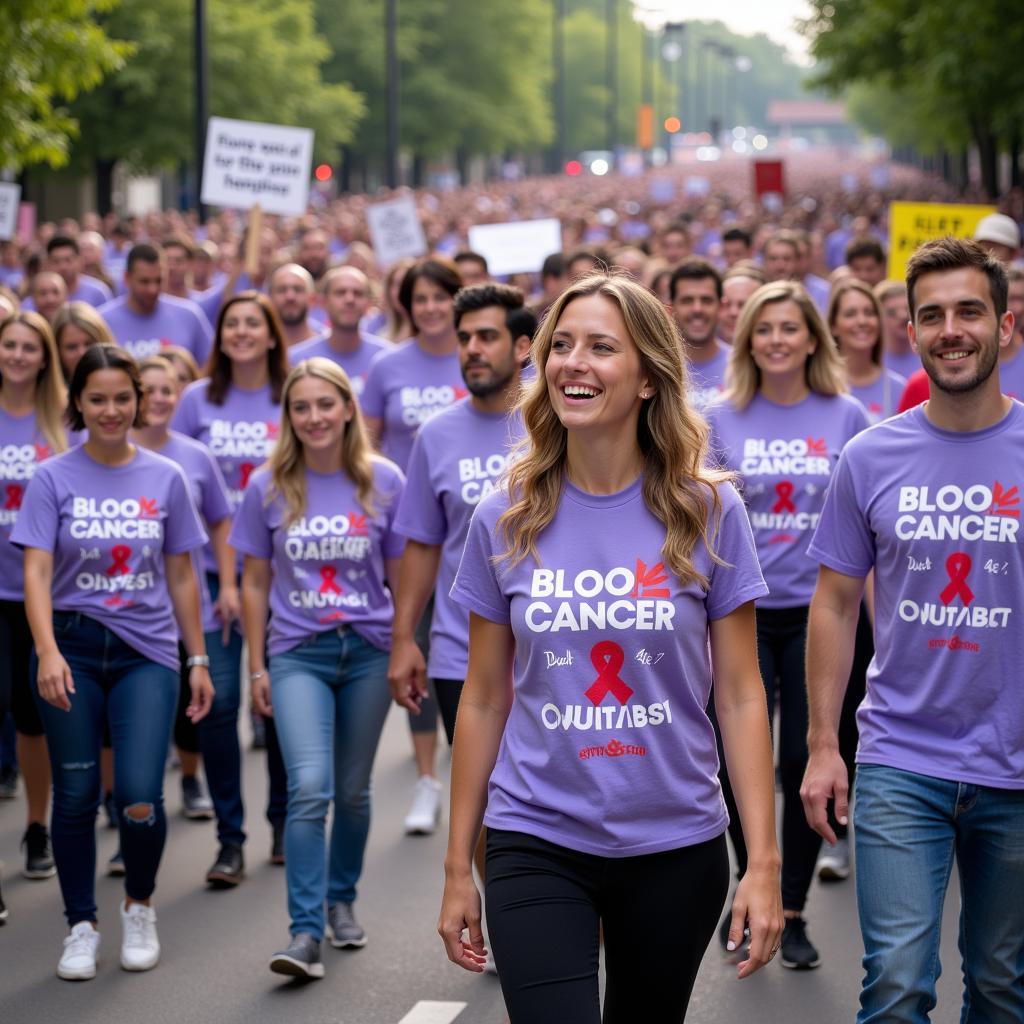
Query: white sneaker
81	951
834	861
140	948
426	807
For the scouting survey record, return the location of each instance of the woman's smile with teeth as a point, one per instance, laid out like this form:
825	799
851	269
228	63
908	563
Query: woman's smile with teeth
580	391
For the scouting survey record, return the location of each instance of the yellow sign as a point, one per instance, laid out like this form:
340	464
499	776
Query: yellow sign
910	224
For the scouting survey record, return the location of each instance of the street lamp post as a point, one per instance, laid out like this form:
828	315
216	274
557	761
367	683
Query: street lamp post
612	72
391	88
202	99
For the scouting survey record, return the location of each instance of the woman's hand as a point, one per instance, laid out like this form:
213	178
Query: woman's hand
202	693
407	675
228	608
460	910
55	682
758	907
259	688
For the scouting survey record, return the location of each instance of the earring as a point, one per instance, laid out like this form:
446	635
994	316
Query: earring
645	393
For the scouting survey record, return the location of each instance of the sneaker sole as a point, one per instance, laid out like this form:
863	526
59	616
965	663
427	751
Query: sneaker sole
292	968
198	815
136	968
115	871
828	873
37	874
801	967
222	880
345	943
81	975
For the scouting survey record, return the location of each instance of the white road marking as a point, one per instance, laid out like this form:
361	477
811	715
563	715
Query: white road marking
428	1011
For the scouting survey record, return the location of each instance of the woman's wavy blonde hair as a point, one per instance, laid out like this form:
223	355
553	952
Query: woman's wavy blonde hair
287	463
825	372
51	395
671	435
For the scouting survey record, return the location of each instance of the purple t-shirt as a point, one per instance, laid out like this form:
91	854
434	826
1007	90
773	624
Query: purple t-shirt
905	363
240	434
22	448
328	566
785	455
404	388
456	460
1011	376
108	528
936	514
706	379
356	364
172	322
607	748
881	399
210	495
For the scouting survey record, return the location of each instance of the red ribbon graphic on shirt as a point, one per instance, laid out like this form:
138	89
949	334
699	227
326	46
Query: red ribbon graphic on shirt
327	576
119	567
14	494
245	469
607	658
784	489
958	565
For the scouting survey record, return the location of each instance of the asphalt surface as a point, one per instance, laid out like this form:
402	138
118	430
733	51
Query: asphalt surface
216	945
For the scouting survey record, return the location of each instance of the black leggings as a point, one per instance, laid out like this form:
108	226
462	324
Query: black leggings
546	907
15	674
448	692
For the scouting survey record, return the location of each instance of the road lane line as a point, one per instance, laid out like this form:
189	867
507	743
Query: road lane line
428	1011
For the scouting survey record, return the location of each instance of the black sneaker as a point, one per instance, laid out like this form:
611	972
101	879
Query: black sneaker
38	856
300	960
344	930
228	869
277	843
110	808
797	952
8	782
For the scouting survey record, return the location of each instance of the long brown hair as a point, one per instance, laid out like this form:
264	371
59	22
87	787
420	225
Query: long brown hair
841	288
671	435
51	397
287	463
218	366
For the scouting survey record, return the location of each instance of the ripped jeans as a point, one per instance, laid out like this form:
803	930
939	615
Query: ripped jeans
113	683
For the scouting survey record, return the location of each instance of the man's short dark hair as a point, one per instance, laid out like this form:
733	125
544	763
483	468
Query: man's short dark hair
695	269
553	265
956	254
469	256
179	242
61	242
738	235
142	253
865	247
518	318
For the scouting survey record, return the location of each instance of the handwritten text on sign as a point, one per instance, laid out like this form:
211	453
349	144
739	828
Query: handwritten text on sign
247	162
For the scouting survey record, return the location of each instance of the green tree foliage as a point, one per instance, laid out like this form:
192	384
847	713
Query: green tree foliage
945	70
265	58
474	76
50	51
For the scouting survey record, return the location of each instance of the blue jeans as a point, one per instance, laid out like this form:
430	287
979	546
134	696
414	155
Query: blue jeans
330	698
908	830
114	684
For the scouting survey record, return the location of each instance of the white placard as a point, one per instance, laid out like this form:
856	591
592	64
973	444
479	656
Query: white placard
247	162
10	197
518	247
395	230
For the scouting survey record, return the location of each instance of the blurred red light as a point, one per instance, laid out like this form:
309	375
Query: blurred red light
323	172
573	168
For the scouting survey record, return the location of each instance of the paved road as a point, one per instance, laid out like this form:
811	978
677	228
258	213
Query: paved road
216	944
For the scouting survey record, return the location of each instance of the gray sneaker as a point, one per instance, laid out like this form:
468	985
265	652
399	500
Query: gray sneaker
344	931
300	960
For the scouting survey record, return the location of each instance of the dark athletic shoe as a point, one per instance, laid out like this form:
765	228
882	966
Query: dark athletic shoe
38	855
344	931
277	843
228	869
797	951
300	960
195	804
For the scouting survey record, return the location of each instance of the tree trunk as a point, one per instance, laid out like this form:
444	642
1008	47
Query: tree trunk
104	186
462	164
419	169
1015	175
985	139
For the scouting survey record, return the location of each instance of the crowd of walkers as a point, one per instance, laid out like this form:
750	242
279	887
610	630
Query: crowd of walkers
688	447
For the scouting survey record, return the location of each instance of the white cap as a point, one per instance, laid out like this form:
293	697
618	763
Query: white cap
997	227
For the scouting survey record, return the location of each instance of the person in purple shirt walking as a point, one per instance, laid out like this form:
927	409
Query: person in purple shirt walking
929	503
347	299
216	736
855	320
898	356
76	328
107	529
696	291
64	257
784	420
404	388
235	411
594	578
321	556
32	402
143	320
457	459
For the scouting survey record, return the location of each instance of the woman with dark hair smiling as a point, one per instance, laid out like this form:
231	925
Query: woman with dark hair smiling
107	529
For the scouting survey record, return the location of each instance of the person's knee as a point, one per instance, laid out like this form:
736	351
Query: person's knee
352	796
139	813
309	791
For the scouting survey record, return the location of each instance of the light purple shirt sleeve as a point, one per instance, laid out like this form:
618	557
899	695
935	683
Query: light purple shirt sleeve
39	521
843	540
182	531
476	587
420	515
251	533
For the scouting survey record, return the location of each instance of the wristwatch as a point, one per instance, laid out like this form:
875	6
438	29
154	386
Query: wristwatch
198	661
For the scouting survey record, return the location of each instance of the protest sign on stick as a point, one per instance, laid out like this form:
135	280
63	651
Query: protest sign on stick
518	247
395	230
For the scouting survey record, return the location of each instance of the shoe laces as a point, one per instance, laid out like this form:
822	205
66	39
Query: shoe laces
81	941
137	928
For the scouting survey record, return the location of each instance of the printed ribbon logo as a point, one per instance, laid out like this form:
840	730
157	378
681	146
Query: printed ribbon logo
648	581
816	446
328	575
784	490
1005	503
245	471
607	658
14	493
42	452
119	567
147	508
958	566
